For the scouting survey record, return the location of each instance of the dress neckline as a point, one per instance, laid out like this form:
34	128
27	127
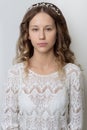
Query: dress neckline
46	75
43	75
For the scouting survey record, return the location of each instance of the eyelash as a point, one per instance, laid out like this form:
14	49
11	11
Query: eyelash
36	29
49	29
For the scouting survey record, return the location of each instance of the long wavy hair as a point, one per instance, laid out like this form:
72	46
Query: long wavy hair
62	52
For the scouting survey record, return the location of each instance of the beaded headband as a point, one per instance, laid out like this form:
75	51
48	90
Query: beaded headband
48	5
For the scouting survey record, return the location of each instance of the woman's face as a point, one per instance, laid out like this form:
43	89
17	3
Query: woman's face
42	32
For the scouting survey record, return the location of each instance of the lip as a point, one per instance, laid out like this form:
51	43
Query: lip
42	44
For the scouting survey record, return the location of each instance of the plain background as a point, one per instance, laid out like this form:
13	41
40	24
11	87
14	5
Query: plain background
11	14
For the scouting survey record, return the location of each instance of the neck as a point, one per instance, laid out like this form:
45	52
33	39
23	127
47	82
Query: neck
42	60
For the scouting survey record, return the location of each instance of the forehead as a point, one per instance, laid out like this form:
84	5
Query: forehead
42	18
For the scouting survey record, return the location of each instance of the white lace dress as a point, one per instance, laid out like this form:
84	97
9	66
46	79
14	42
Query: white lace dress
43	102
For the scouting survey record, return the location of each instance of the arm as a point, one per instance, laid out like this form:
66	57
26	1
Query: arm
11	102
76	101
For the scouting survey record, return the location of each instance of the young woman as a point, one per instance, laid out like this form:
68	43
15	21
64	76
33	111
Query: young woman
44	90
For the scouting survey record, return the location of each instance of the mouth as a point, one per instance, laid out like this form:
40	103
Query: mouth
43	44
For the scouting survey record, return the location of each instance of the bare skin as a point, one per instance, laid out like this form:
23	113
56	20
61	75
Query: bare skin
42	33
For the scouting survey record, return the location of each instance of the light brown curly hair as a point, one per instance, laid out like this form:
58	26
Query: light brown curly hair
62	50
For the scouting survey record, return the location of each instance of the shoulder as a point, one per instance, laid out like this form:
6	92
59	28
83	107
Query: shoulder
13	77
15	69
72	69
74	75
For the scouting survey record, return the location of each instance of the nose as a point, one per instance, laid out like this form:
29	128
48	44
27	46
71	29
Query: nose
41	34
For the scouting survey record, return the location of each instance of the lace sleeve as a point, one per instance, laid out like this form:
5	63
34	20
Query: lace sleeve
76	103
11	108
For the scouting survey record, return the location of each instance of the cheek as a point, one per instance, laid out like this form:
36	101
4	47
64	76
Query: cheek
33	40
53	38
30	35
33	36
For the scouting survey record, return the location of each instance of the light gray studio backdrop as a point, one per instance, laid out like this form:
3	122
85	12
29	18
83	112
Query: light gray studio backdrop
11	13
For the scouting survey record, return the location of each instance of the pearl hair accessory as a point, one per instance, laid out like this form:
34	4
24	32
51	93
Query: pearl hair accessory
48	5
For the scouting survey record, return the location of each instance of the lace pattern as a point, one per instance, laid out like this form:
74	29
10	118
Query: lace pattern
43	102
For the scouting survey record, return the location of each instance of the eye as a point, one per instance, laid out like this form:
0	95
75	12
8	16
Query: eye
35	29
48	29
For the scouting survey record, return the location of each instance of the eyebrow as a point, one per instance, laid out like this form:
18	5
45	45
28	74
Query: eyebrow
45	25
